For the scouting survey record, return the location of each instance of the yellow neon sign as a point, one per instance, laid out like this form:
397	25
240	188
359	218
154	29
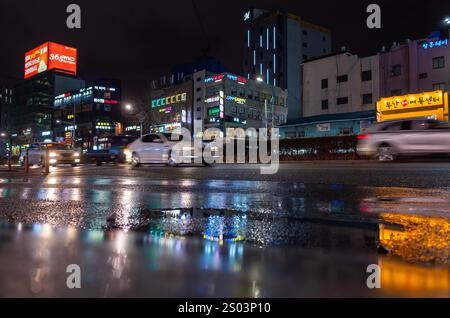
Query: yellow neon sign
427	104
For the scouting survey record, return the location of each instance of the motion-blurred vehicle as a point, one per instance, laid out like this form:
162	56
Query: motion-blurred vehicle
159	148
58	154
389	140
116	153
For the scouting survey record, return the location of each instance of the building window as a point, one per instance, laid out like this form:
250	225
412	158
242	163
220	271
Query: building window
199	109
438	62
367	99
199	89
423	75
233	91
305	44
342	100
345	131
305	57
342	79
439	87
396	92
305	32
325	83
199	79
199	99
324	104
366	76
396	70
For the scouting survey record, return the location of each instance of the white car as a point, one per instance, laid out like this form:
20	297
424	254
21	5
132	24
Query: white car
159	148
58	154
389	140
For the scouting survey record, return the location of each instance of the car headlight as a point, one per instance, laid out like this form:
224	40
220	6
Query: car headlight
76	154
52	154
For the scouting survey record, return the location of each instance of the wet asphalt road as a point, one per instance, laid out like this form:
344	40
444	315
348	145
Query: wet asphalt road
227	231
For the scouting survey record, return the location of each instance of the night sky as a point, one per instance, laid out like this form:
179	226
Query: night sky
137	41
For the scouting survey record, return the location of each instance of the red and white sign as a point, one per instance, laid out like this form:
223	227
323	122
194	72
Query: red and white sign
50	56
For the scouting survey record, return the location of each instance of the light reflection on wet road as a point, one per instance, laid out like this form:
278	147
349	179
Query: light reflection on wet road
222	237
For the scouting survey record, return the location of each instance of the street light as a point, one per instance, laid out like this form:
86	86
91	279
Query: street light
128	107
447	21
259	79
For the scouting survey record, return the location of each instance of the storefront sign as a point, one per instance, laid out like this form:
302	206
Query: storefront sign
428	104
169	100
323	127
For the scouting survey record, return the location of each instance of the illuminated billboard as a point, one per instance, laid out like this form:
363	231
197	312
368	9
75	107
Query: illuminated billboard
428	104
50	56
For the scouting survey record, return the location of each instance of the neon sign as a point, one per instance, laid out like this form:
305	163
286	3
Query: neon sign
212	100
215	78
433	44
238	100
169	100
166	110
241	80
213	111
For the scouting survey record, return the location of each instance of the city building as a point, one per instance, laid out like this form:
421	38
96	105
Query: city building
416	66
6	102
275	44
340	91
44	78
171	107
218	101
93	112
339	94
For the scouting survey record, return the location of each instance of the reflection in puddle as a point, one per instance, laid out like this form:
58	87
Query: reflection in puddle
412	280
416	238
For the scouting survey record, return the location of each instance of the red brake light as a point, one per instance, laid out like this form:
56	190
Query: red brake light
363	136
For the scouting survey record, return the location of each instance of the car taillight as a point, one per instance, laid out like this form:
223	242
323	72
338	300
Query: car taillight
363	136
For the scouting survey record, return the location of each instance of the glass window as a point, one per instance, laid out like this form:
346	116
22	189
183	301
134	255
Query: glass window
396	70
342	100
439	62
325	104
366	76
325	83
367	99
342	79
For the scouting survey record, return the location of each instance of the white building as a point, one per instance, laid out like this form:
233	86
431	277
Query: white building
340	83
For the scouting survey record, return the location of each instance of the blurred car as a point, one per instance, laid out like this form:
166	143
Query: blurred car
117	152
58	154
158	148
389	140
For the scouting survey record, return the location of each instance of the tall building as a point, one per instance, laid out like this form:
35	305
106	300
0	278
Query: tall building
6	102
275	44
45	76
94	112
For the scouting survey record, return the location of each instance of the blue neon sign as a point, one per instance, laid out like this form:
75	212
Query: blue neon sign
433	44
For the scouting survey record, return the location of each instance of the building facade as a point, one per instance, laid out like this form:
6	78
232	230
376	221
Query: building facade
218	101
6	102
94	113
340	83
275	44
32	115
238	102
416	66
171	107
